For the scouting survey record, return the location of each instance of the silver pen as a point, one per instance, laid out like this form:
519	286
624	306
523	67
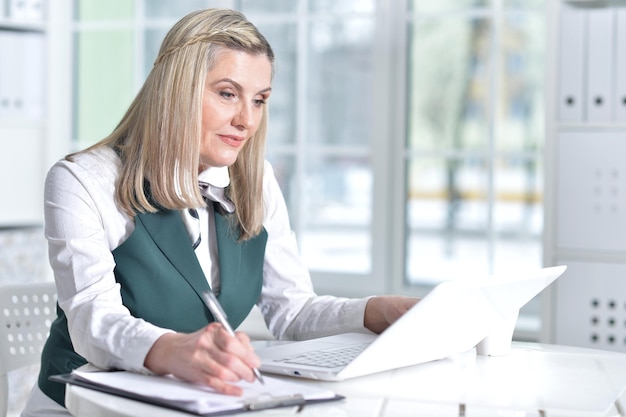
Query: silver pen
220	315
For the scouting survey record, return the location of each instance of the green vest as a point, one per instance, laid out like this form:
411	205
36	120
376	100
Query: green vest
162	282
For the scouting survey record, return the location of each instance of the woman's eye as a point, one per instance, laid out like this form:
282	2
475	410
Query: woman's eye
259	102
226	94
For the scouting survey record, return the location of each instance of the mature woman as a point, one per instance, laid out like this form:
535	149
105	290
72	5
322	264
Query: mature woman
177	200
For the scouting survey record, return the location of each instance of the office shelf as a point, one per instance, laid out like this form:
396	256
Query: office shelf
585	199
34	105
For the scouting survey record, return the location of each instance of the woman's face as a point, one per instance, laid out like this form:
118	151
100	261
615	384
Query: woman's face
235	94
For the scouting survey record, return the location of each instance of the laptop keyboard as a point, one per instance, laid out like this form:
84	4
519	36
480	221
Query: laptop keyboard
327	358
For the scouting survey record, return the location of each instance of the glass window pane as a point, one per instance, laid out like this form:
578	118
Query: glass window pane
179	8
449	84
518	213
340	81
447	219
152	44
103	10
105	85
445	5
268	6
343	6
523	4
337	201
520	124
282	103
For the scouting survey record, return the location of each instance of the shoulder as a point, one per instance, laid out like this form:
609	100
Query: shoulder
268	170
98	166
103	160
81	191
276	219
91	174
270	183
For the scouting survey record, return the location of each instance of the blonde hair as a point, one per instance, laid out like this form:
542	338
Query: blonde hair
158	139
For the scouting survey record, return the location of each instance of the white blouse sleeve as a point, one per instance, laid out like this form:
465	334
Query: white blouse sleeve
290	306
83	225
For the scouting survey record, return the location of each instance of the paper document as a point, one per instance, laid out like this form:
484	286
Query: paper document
170	392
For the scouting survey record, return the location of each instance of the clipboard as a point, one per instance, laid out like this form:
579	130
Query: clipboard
198	400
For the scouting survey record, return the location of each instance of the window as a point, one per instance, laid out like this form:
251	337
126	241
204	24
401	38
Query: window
406	135
321	130
474	139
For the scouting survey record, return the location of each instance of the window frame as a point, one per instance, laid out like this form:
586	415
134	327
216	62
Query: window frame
389	156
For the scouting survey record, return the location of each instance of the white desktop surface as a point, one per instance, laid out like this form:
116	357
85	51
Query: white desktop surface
534	380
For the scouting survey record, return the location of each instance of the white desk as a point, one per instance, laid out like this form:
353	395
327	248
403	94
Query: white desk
535	380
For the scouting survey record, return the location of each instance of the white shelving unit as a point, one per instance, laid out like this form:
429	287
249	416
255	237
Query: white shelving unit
35	105
586	182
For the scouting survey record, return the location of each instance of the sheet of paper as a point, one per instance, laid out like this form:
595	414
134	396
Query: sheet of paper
202	399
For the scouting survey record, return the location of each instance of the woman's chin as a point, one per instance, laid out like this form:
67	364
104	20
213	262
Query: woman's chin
221	161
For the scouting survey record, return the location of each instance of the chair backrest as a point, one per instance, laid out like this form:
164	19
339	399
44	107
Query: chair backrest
26	313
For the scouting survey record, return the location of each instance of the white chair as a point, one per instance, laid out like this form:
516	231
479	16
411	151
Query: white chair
26	313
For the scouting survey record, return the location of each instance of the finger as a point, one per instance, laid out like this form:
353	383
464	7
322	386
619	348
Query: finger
239	345
243	338
250	356
223	387
229	366
227	358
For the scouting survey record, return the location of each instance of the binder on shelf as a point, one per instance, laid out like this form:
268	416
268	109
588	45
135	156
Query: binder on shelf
16	9
620	67
168	392
10	75
32	88
4	74
25	10
570	74
22	76
600	53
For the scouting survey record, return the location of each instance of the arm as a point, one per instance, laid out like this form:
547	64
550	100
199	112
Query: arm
82	226
382	311
288	302
291	307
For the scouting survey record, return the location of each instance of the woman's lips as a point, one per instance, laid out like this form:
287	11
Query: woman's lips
232	140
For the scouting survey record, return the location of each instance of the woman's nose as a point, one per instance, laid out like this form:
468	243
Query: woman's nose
244	118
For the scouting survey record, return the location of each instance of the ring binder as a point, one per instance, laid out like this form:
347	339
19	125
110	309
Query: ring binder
169	392
268	401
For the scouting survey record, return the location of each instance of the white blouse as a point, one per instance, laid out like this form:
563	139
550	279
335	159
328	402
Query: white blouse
83	225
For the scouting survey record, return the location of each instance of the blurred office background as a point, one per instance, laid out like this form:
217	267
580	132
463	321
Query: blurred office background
408	136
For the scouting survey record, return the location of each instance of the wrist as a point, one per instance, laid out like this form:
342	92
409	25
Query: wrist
160	350
374	319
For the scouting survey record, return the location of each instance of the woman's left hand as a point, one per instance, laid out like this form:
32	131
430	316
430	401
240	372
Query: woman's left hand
382	311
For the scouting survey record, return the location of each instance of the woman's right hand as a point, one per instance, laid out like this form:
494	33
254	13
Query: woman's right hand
210	356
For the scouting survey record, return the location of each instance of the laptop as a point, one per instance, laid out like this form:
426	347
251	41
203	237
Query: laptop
452	318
